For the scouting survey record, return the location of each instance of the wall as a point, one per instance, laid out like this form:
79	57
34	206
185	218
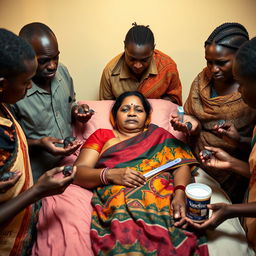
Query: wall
90	33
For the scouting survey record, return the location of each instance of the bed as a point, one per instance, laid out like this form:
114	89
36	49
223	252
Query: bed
228	239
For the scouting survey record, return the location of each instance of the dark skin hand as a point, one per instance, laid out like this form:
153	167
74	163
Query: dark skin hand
48	143
222	212
219	215
47	185
82	117
230	134
222	160
5	185
179	126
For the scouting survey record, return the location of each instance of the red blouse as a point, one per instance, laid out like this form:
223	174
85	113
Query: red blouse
98	139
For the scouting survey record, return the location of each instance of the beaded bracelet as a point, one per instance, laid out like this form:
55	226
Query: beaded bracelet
179	187
103	176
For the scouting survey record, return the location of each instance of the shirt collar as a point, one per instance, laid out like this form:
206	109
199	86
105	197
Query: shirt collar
54	85
123	70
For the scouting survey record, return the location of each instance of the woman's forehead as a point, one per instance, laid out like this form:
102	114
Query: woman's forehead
132	100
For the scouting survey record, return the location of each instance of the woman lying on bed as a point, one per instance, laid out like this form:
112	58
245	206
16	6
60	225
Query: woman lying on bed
132	214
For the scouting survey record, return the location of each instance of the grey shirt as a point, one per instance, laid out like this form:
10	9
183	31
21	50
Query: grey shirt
43	114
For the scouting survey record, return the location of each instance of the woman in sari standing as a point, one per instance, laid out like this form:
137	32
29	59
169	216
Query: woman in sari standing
244	71
214	96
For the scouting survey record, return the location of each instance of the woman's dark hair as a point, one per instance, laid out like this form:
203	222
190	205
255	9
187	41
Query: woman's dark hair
121	98
140	35
231	35
246	59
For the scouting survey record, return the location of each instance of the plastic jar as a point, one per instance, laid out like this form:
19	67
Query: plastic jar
198	196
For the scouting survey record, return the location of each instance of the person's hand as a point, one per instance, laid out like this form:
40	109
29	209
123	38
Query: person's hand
178	206
219	214
48	143
6	185
81	113
182	127
48	185
126	177
229	133
219	158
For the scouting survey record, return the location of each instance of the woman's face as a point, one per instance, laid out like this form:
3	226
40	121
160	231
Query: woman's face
219	62
131	115
247	87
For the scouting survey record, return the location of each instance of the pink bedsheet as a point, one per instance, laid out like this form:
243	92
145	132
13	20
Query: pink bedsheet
59	219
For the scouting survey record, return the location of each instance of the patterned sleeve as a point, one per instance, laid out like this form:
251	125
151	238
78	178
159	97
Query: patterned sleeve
97	140
8	147
174	89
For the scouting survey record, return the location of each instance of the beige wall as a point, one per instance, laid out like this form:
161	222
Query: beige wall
91	32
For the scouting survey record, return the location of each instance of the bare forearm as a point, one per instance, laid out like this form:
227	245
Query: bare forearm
245	143
182	176
33	143
241	210
11	208
88	177
170	98
240	167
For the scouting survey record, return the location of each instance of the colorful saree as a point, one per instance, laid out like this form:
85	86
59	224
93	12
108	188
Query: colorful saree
15	236
208	111
251	222
138	221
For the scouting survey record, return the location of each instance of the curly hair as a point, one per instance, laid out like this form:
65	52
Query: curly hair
14	51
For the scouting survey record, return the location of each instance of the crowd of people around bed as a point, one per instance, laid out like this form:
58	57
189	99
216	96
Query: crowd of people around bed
103	204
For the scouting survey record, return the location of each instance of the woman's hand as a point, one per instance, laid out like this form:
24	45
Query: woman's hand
48	185
219	214
219	158
178	206
5	185
126	177
182	127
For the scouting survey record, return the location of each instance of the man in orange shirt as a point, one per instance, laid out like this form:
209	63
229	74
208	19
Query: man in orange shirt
141	68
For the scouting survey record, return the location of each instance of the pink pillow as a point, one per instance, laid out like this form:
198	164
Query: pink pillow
161	114
162	110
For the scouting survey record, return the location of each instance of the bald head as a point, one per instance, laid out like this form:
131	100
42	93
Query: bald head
35	30
45	45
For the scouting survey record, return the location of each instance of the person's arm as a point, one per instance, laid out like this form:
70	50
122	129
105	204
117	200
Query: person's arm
222	160
49	144
47	185
170	98
105	92
89	177
174	91
182	177
222	212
